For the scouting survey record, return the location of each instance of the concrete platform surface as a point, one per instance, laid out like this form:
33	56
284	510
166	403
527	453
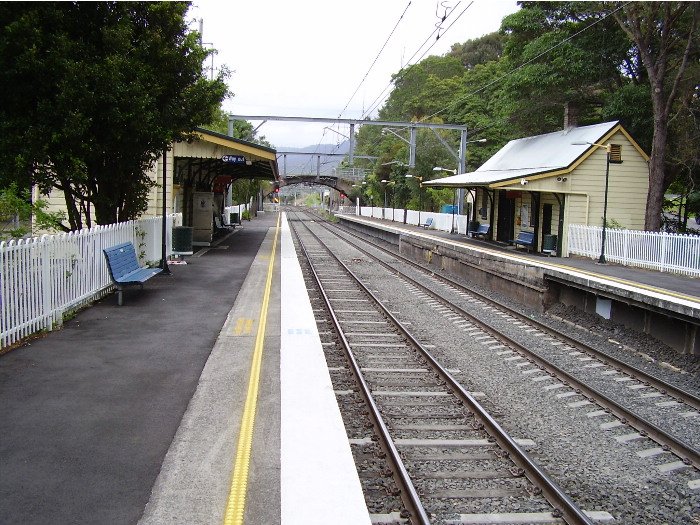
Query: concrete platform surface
131	414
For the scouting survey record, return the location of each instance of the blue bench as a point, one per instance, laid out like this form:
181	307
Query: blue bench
526	239
124	268
428	223
482	231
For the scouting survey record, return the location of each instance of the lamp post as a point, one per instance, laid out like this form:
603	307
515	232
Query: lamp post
386	183
454	198
607	147
420	192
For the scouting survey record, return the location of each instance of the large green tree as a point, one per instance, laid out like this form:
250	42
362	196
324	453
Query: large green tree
667	40
92	93
633	61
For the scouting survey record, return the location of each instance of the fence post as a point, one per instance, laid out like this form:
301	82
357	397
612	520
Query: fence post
663	252
46	281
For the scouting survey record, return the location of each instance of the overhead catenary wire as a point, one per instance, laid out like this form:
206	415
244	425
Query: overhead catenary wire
410	62
375	59
308	163
453	104
438	28
546	51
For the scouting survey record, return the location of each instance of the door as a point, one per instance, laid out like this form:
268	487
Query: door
506	217
546	219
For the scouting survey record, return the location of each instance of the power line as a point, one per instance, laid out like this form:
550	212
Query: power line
524	64
437	29
364	78
375	59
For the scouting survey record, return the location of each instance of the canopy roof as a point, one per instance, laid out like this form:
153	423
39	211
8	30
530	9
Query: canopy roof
262	161
550	153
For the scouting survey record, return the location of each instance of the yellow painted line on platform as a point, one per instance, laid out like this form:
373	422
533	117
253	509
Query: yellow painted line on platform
235	505
243	326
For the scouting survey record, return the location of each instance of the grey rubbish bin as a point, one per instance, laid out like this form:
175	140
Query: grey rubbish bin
182	240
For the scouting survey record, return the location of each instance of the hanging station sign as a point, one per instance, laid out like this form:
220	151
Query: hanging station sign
233	159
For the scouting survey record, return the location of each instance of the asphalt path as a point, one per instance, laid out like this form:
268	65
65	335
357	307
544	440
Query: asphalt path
88	411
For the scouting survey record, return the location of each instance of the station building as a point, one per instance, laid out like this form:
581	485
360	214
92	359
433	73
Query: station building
198	177
543	183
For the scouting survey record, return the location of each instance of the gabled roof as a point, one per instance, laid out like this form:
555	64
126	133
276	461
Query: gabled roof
538	155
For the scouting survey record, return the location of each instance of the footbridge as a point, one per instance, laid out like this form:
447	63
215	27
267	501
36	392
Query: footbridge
341	180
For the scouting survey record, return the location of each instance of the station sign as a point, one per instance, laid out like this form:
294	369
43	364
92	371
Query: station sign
233	159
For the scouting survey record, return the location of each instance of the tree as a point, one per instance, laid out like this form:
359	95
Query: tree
93	92
471	53
407	101
557	53
242	129
665	35
17	212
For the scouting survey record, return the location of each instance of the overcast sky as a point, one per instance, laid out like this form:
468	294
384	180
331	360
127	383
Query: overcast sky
307	57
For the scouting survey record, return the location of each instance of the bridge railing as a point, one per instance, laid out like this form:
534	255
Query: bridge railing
351	173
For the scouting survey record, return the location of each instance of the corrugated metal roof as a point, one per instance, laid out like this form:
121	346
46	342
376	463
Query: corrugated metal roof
531	156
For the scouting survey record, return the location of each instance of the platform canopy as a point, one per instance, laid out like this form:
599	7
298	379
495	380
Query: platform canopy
552	154
214	158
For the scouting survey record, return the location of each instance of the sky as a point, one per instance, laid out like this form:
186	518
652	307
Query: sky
307	58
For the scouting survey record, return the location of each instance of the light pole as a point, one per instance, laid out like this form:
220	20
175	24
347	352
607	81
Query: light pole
454	198
608	148
420	193
386	186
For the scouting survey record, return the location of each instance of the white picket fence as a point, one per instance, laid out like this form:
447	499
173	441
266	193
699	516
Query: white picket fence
441	221
665	252
44	277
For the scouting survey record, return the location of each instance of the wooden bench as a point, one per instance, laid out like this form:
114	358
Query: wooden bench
124	268
525	239
427	224
482	231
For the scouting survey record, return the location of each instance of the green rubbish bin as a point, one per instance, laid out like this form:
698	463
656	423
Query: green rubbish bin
233	219
182	240
549	243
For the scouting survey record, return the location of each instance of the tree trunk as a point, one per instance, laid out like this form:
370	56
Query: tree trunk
75	221
657	172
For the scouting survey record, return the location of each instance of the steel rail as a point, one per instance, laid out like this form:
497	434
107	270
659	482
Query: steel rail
559	500
686	452
667	388
409	494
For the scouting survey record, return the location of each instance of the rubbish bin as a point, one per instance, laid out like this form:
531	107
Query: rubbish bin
233	219
549	243
182	240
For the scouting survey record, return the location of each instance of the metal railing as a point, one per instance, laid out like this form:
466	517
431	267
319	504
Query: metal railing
665	252
42	278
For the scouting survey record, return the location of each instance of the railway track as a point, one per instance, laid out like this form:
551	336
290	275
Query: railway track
451	460
655	408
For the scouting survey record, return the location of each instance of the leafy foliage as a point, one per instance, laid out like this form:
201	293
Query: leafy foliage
93	92
17	211
637	62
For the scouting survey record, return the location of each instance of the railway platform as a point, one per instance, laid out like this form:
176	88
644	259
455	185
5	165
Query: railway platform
662	304
205	399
